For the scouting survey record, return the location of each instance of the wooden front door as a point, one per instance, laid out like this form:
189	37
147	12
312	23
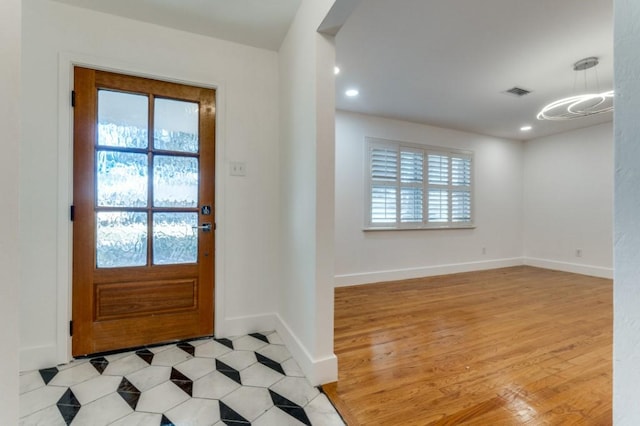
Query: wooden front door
143	214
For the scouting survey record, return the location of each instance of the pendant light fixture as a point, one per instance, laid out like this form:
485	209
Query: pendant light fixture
580	105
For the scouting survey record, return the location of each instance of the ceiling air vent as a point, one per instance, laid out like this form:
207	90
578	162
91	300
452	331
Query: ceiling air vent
518	91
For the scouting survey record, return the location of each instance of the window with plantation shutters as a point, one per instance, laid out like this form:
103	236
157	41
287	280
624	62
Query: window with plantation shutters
413	186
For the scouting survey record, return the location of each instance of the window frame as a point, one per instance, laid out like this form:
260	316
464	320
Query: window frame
372	143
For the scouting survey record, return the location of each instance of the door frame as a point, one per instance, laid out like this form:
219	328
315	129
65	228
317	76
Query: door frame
64	243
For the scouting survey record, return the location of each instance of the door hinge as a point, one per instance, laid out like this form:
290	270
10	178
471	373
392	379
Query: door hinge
73	98
72	213
70	328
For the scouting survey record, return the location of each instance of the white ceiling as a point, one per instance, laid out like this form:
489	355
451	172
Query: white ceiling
259	23
448	62
440	62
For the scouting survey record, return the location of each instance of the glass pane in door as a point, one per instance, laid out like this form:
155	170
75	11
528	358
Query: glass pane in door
175	238
175	181
121	179
122	119
175	125
121	239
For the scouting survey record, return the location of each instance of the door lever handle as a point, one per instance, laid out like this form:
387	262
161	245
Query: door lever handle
206	227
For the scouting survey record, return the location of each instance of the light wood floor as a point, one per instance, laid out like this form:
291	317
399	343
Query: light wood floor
513	346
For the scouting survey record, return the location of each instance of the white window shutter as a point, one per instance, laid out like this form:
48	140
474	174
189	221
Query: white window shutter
414	186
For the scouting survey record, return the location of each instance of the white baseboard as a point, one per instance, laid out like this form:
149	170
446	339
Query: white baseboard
318	371
576	268
37	357
429	271
239	326
425	271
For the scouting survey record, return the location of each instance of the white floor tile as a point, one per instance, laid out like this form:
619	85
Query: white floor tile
73	376
274	339
239	359
29	381
277	353
248	343
291	368
195	412
321	412
115	357
260	402
139	419
161	399
296	389
158	349
214	386
212	349
259	375
103	411
95	388
170	357
195	368
196	343
39	399
124	366
49	416
277	417
149	377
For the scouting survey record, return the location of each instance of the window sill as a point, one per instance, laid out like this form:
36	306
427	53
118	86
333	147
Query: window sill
421	228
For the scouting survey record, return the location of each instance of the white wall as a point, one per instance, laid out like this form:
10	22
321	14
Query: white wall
568	201
10	41
626	301
365	257
306	185
247	265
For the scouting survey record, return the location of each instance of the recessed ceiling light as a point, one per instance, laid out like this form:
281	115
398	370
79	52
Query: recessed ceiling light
336	70
525	128
351	93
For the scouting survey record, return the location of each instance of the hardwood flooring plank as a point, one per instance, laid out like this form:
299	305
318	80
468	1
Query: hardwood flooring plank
510	346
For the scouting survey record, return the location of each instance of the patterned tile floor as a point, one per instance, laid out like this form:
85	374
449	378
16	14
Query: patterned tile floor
248	380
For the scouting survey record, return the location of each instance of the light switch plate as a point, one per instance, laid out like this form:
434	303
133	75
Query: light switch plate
237	168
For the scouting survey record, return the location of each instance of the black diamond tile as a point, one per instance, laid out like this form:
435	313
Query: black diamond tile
129	393
228	371
275	366
177	375
126	386
130	398
229	417
68	398
188	348
228	343
68	412
259	336
68	406
100	364
48	374
182	381
146	355
289	407
164	421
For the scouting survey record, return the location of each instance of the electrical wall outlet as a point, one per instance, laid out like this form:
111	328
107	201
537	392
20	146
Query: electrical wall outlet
578	252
